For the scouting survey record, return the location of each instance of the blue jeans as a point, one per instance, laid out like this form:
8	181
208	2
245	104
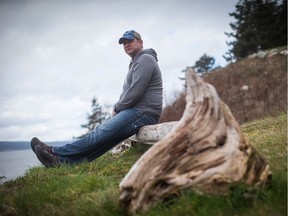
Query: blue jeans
105	136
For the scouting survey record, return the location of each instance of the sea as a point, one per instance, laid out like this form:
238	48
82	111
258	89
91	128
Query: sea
16	158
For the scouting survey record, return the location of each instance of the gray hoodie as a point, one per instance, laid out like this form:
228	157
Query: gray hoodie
143	85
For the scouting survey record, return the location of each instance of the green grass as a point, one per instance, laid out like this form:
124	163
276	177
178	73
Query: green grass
93	188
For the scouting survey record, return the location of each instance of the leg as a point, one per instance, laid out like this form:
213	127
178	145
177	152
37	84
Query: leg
104	137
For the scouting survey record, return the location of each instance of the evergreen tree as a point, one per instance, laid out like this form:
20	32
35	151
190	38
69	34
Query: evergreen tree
260	25
95	118
204	64
201	66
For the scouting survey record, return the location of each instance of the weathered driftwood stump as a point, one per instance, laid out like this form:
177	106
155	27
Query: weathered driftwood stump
205	151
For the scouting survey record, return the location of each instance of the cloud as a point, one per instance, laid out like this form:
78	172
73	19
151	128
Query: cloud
55	56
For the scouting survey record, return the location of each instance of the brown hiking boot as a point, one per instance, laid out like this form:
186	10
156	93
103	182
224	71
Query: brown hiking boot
35	141
46	156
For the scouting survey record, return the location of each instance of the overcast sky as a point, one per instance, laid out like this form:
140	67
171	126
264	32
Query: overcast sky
55	56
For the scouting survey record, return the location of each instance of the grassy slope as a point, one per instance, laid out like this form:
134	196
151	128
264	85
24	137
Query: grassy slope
92	188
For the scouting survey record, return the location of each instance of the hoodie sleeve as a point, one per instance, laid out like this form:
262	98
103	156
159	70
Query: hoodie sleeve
137	80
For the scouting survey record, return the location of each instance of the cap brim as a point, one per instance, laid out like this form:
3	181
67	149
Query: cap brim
121	40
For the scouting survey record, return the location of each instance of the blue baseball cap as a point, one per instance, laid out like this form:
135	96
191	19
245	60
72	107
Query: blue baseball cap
130	35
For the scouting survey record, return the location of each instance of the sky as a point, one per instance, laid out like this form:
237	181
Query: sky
56	55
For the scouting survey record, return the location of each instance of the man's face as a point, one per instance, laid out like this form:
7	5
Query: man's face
132	47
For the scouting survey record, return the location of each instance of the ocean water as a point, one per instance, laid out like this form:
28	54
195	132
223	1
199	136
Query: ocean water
15	163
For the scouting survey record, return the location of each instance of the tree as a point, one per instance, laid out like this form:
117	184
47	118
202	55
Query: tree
260	25
204	64
95	118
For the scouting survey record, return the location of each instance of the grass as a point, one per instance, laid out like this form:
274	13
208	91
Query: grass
92	188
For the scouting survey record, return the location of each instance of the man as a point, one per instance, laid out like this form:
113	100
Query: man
140	104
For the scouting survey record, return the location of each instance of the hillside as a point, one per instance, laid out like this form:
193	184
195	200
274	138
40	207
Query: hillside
253	88
93	188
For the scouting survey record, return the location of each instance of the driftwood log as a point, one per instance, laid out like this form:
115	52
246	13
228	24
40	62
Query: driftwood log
151	134
205	151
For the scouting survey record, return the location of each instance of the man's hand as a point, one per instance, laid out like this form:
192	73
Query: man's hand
114	113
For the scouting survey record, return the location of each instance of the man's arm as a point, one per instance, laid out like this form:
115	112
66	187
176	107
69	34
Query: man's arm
141	75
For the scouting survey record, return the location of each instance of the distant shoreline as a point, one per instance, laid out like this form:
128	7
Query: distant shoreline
24	145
